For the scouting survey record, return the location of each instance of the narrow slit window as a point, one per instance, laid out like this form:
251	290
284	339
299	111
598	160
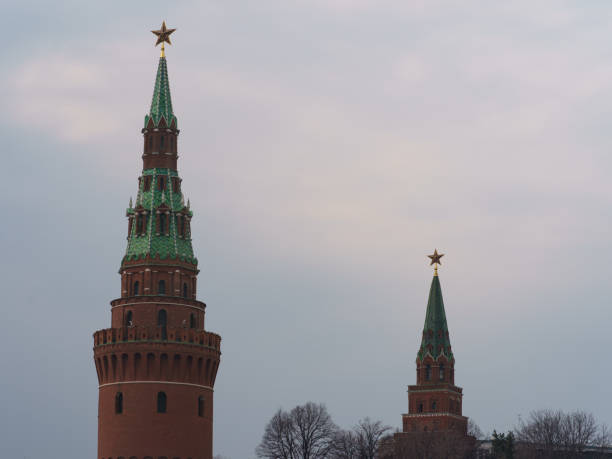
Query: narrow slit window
128	319
162	402
161	287
192	322
118	403
162	318
162	224
185	291
136	288
201	406
441	372
428	372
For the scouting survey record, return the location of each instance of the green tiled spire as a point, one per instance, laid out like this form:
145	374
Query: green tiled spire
161	105
150	242
435	331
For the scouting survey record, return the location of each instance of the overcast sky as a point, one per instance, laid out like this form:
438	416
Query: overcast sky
326	147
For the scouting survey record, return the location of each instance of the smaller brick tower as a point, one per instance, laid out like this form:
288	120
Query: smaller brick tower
434	402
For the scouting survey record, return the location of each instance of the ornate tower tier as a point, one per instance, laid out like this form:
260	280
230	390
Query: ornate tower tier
157	365
434	402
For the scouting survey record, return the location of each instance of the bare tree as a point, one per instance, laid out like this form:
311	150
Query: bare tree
307	432
314	429
558	434
279	440
473	430
345	445
368	434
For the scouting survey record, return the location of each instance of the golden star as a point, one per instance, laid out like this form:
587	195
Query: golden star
163	34
435	258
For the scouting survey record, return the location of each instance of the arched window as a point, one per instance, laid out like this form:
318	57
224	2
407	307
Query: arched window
162	223
185	292
441	372
136	288
192	322
162	318
420	408
201	406
428	372
128	319
161	141
161	287
118	403
139	224
161	402
434	405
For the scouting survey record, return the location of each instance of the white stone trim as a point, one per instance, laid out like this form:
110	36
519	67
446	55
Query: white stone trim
432	415
157	302
156	382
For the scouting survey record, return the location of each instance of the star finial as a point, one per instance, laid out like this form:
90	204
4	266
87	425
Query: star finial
435	260
163	36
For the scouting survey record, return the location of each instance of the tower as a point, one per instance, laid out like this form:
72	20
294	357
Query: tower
157	365
434	402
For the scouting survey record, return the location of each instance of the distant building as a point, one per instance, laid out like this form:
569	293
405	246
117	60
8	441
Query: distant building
434	425
528	451
157	365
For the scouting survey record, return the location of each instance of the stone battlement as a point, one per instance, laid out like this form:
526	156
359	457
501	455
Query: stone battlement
144	333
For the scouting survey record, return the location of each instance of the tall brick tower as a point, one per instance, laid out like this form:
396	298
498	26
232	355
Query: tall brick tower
157	365
434	402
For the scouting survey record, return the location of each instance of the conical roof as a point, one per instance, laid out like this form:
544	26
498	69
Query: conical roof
161	104
436	340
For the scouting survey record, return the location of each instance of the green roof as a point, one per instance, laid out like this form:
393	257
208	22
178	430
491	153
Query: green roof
436	340
161	105
150	243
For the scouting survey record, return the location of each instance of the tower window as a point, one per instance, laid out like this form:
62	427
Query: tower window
420	408
136	289
185	292
182	226
161	287
162	318
176	185
147	182
434	405
428	372
441	372
150	143
162	223
161	141
128	319
201	406
118	403
139	224
161	185
192	322
161	402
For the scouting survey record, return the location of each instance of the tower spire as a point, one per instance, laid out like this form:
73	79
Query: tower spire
435	339
161	103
